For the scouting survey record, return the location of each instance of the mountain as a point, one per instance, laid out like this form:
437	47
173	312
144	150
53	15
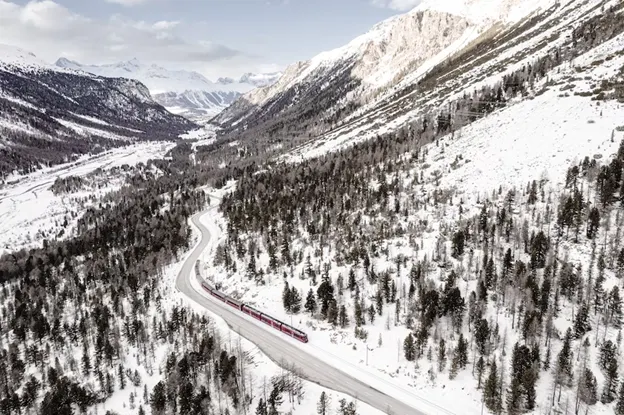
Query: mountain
49	114
260	80
313	97
185	92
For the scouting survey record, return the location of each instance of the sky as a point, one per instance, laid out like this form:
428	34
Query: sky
214	37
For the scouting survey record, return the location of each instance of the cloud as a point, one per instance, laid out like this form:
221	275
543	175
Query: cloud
50	30
128	3
400	5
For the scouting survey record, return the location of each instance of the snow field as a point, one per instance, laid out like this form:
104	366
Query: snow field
28	207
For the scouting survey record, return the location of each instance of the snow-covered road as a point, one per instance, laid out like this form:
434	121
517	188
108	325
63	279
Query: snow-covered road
278	347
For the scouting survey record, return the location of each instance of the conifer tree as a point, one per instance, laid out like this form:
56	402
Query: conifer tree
594	223
261	409
122	377
158	399
619	406
342	317
564	360
581	323
287	297
610	389
295	301
491	390
409	348
441	355
351	282
323	405
480	367
310	304
358	314
588	387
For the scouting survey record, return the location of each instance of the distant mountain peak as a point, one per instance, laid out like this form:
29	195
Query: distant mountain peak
178	90
66	63
225	81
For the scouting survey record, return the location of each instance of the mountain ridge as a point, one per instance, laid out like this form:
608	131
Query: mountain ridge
49	115
181	91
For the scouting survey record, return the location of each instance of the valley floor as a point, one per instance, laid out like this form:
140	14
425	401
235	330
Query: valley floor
30	212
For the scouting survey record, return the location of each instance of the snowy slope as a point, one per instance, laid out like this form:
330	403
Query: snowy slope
535	138
380	58
50	114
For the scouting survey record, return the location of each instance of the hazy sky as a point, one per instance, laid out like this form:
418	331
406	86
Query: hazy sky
215	37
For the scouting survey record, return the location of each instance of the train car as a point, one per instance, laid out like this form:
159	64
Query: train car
257	314
299	335
218	295
252	312
234	303
206	287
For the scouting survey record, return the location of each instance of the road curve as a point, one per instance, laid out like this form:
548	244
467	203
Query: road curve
279	349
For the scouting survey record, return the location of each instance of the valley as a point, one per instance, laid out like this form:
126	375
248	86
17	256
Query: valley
438	205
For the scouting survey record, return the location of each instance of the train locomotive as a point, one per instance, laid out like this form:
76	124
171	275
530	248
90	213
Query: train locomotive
258	315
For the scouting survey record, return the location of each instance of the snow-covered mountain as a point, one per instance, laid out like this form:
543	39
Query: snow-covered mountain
49	114
181	91
260	79
393	55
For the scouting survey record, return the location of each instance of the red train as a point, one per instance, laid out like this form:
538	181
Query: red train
265	318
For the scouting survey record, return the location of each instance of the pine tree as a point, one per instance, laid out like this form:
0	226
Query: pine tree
122	377
619	407
185	397
614	307
252	273
158	399
295	301
547	358
588	388
461	353
332	312
480	369
287	298
325	293
491	391
442	355
482	334
323	405
608	352
594	223
609	392
86	361
581	323
564	360
358	314
310	304
409	348
352	283
371	313
342	317
261	409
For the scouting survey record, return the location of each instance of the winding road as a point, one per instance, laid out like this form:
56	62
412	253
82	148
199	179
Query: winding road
277	347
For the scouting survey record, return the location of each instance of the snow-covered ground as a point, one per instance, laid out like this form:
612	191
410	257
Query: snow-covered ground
261	368
30	212
532	139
